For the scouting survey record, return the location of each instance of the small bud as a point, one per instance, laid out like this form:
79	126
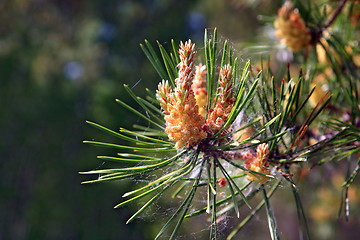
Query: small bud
163	95
222	182
262	153
259	164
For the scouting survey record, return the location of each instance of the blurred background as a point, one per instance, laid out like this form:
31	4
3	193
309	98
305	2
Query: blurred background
63	62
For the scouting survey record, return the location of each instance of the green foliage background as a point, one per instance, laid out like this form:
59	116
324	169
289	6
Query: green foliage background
43	108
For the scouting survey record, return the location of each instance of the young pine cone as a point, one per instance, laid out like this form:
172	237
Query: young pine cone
291	28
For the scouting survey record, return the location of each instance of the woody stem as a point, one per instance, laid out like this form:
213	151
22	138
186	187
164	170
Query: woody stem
334	16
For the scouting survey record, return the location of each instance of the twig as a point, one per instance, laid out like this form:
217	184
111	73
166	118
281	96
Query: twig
334	16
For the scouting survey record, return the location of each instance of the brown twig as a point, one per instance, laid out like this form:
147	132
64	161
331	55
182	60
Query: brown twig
334	16
317	33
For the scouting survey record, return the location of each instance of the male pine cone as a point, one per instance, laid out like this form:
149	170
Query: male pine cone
291	28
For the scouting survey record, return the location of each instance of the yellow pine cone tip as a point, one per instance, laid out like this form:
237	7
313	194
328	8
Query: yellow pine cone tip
184	123
186	105
187	52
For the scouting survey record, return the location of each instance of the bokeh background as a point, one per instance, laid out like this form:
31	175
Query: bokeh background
63	62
